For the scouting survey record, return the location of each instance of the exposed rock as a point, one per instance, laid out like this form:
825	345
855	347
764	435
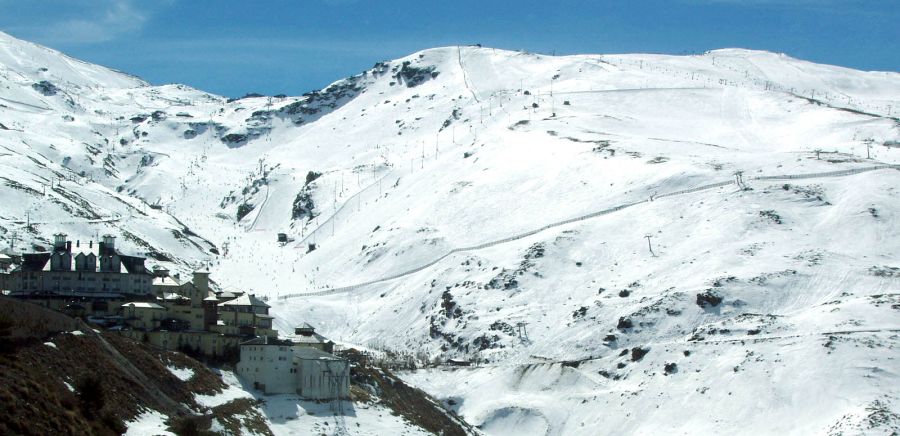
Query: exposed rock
638	353
709	298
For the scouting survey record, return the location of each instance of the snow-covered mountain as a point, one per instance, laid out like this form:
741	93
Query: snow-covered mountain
767	305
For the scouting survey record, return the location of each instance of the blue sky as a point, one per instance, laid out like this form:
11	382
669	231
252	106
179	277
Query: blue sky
231	47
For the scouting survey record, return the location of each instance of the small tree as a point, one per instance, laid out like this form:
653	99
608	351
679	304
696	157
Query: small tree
90	395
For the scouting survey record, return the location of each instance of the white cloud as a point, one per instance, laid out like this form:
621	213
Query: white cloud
85	21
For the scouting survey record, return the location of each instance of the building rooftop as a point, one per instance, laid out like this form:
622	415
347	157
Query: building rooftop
66	294
314	338
171	296
265	340
246	300
166	281
306	353
41	261
143	305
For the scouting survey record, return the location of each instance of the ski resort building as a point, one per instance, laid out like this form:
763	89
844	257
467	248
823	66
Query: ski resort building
282	366
246	312
188	316
306	336
98	281
95	276
5	262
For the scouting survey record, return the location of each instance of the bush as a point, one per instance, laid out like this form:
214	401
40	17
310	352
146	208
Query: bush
90	395
6	342
190	426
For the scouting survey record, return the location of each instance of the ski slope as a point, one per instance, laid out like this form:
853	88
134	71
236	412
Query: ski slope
462	191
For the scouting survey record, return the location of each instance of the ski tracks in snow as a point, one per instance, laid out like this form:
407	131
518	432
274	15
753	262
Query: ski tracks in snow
464	75
841	173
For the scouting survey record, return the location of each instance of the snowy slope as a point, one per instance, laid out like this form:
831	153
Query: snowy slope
457	147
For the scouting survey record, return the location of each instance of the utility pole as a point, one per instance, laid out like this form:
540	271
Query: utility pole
868	143
648	236
738	179
521	332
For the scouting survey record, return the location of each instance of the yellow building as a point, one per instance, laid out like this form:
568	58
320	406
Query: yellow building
210	344
191	303
249	314
142	315
188	316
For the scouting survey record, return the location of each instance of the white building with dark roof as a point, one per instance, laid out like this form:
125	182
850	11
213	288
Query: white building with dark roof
306	336
276	366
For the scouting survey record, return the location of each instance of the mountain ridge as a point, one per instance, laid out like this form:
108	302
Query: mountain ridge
733	286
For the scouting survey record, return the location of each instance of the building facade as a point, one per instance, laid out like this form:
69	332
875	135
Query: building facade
276	366
249	314
81	270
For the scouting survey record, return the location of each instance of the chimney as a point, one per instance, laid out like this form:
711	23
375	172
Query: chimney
91	244
109	242
77	243
59	241
201	281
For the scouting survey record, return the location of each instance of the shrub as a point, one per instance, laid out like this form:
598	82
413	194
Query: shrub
90	395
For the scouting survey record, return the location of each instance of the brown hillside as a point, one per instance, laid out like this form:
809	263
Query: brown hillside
89	383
